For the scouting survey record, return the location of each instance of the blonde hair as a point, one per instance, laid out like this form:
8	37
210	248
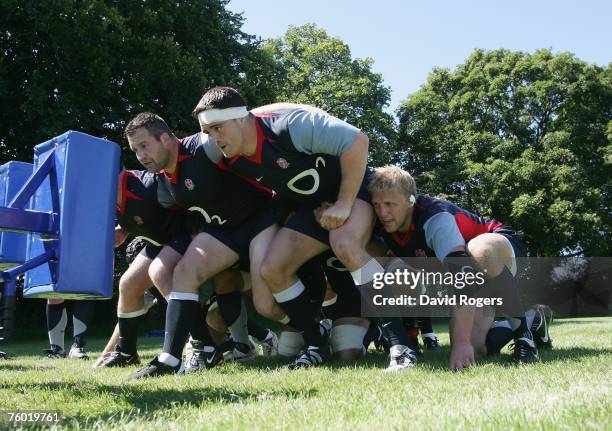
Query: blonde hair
392	177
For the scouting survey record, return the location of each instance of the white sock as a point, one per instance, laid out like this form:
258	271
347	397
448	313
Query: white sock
168	359
365	274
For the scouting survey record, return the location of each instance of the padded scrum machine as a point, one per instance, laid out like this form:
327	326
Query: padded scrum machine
70	217
13	176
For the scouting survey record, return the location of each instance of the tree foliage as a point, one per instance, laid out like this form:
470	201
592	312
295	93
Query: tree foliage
93	65
317	69
525	138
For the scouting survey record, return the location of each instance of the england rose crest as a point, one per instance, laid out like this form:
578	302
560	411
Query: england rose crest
284	164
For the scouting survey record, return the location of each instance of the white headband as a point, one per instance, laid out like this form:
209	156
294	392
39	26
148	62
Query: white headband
219	115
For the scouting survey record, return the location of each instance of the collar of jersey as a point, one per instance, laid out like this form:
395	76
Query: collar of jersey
403	238
261	137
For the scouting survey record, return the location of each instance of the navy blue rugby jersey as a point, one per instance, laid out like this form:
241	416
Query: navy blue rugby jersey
437	227
140	214
297	157
198	184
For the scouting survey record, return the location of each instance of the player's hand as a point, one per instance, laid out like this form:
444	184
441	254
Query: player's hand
334	216
319	211
462	356
120	236
98	362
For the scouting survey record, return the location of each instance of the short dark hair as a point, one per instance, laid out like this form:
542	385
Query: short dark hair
154	124
219	98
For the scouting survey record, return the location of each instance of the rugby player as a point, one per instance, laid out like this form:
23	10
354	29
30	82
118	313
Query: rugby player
419	225
239	222
318	162
167	235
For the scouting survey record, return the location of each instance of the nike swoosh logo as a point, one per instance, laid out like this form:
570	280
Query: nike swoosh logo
210	360
259	179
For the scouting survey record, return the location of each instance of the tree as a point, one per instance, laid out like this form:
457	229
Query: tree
524	138
316	69
93	65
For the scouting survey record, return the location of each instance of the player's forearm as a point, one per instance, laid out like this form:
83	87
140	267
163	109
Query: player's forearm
462	323
353	164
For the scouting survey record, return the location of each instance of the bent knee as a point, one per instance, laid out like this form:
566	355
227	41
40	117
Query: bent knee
491	251
188	274
347	249
272	272
160	275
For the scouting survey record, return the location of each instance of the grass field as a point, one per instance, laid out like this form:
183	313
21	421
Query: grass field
569	389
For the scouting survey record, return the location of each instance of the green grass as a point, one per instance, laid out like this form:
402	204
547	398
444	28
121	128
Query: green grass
569	389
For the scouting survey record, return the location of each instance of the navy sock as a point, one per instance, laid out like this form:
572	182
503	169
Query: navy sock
82	315
199	330
394	331
56	323
256	330
128	334
375	333
425	325
229	306
179	320
299	310
497	338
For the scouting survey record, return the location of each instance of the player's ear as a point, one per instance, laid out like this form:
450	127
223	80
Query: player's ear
165	139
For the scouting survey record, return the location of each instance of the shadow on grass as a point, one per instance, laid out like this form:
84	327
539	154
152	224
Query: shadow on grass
144	400
12	365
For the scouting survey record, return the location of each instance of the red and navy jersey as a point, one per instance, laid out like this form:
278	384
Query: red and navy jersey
197	184
437	227
140	214
289	160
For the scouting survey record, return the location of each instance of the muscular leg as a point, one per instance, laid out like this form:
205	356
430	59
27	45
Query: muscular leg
133	284
57	319
349	241
288	251
82	314
162	268
228	287
352	244
494	253
264	302
130	307
205	257
216	325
